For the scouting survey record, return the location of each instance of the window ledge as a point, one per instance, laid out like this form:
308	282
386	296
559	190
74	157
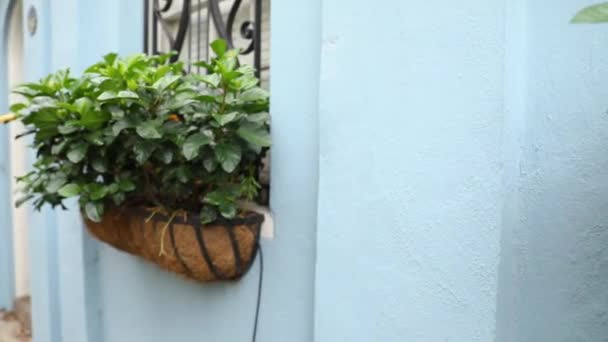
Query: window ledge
267	231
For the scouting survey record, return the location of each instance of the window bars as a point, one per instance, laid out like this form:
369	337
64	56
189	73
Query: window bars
187	27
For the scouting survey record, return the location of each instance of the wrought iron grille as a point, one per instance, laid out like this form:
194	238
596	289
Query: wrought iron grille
187	27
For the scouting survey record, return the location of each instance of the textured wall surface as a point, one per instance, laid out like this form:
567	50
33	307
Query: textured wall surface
555	283
462	175
410	195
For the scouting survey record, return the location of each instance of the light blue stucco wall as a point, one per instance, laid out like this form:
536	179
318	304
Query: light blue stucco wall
411	170
454	157
554	283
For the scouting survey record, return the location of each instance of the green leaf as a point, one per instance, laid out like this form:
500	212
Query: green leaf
107	96
118	198
95	137
116	112
110	58
212	79
179	101
132	84
247	70
143	151
208	98
210	164
83	105
78	152
100	165
93	120
192	145
183	174
228	75
257	136
58	148
228	155
224	119
113	188
223	199
112	95
208	215
97	191
44	134
94	211
126	185
99	80
55	183
44	119
244	82
67	106
149	130
25	91
231	62
16	107
203	64
69	190
22	200
228	210
67	128
219	46
161	71
217	198
43	102
258	118
165	155
166	82
232	53
119	126
253	95
592	14
127	94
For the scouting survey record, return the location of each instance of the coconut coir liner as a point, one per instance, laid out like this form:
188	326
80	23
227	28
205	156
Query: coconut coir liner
223	250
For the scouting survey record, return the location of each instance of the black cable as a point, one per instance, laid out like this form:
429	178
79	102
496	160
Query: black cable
257	308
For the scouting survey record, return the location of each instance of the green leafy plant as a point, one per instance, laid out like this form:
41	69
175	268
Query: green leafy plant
139	132
592	14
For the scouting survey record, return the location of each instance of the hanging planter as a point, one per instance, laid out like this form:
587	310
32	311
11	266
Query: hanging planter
159	161
221	250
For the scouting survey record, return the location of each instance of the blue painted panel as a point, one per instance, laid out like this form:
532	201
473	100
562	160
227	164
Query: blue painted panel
46	318
7	272
77	253
410	193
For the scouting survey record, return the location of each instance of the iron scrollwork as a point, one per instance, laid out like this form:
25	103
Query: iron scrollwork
155	15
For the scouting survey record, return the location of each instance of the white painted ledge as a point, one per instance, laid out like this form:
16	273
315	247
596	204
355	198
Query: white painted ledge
268	225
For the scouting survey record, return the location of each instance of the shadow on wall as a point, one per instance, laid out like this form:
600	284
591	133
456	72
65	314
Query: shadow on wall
554	274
